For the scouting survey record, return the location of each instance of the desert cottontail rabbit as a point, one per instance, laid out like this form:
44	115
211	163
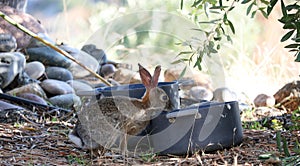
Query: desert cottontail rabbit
102	122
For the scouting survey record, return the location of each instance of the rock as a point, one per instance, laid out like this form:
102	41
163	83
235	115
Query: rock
224	95
67	101
289	96
16	4
59	73
263	100
98	54
35	69
47	56
125	76
56	87
33	97
194	78
79	85
200	93
20	80
107	70
113	82
8	43
23	40
84	58
263	112
11	65
37	43
33	88
99	85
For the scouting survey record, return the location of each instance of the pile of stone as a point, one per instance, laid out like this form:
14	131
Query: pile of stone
31	70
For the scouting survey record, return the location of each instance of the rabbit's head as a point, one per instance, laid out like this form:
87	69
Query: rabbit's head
155	97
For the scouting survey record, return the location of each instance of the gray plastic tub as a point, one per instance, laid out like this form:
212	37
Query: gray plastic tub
208	127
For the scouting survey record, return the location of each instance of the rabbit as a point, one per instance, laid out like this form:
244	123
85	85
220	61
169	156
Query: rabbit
108	118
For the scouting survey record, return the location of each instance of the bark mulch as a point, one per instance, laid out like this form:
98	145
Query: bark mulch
48	144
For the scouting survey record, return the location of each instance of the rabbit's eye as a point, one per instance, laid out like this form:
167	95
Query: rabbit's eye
164	97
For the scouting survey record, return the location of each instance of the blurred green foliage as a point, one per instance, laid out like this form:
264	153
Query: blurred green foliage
219	24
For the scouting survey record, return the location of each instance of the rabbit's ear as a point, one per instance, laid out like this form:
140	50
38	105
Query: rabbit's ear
145	76
155	77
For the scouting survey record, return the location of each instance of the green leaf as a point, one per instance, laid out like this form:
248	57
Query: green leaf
278	141
185	52
186	43
212	50
296	39
271	6
211	44
285	147
253	13
218	38
209	22
198	63
196	3
292	46
206	10
222	30
229	38
215	12
220	2
231	8
263	13
283	9
291	7
297	57
182	73
225	17
218	7
289	26
265	2
197	29
245	1
181	4
179	61
294	50
286	19
206	22
212	2
249	8
287	36
231	26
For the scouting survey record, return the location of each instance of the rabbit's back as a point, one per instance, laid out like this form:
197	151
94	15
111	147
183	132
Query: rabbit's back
126	114
106	119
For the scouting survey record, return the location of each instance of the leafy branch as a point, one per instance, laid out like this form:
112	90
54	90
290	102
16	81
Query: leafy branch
219	24
211	43
290	20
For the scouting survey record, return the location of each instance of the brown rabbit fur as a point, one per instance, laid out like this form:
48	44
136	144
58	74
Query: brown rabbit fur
116	116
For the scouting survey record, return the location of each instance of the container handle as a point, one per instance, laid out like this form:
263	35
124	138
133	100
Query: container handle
188	112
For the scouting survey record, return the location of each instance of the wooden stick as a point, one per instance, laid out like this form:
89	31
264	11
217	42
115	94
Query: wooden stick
64	53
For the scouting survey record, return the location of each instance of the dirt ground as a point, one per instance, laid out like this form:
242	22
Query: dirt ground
45	142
